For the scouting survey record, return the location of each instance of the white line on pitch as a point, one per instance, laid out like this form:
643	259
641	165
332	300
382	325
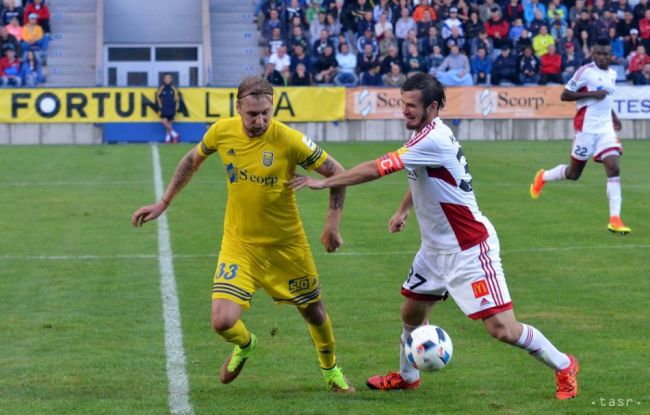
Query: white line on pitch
179	388
341	253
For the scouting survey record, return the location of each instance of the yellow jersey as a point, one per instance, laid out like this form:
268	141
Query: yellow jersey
260	209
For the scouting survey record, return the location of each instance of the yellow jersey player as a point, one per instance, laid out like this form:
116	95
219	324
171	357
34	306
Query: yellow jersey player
264	244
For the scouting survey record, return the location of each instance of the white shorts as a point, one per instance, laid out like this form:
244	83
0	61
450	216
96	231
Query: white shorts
586	144
474	279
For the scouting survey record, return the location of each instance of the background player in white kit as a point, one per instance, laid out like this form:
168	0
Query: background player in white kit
459	253
592	86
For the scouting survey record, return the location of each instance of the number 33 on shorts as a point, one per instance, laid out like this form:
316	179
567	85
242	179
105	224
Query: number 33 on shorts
226	271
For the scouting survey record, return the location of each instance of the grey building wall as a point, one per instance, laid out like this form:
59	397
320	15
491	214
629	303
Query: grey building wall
152	21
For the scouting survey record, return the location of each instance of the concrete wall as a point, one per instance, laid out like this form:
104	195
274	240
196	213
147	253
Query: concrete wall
365	130
152	21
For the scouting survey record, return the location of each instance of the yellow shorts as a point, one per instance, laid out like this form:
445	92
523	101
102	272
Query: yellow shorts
287	273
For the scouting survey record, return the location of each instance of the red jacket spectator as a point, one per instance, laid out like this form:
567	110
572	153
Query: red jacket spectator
644	26
42	11
418	13
497	29
551	63
638	61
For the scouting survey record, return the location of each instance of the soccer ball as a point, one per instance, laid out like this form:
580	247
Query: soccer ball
429	348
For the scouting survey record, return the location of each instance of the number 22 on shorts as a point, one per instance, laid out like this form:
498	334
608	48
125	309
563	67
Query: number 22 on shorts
227	271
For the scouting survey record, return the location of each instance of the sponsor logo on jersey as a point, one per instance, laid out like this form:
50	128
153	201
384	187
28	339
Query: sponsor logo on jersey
299	284
231	152
267	158
485	302
232	172
236	175
480	289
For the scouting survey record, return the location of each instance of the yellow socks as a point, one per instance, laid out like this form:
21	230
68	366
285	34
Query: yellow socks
323	338
238	334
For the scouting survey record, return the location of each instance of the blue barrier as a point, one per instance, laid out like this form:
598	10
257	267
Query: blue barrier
148	132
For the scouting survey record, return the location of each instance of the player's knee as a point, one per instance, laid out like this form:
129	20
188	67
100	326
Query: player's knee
503	334
222	323
314	313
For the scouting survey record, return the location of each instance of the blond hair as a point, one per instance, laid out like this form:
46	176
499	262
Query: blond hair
256	86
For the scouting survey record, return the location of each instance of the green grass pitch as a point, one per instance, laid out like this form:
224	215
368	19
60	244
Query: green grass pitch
81	328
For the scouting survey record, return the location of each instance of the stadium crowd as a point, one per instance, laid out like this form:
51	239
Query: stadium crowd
462	42
24	39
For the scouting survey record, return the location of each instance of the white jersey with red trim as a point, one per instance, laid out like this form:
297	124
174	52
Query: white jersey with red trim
441	186
593	116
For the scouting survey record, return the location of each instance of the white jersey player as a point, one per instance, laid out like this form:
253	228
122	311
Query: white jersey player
595	125
459	253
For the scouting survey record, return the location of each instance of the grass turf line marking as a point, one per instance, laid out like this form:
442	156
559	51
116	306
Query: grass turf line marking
215	255
179	388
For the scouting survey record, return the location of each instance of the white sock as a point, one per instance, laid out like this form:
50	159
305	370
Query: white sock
174	133
406	369
167	138
534	342
614	195
556	173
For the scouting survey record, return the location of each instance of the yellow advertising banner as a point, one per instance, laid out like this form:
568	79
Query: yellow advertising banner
466	103
102	105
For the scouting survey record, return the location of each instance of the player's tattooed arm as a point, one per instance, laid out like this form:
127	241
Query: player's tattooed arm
330	238
185	170
330	168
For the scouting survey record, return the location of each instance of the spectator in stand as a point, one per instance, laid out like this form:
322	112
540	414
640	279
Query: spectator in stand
536	23
569	37
572	61
382	7
325	67
15	29
455	69
368	39
42	11
275	42
404	24
481	67
11	11
625	25
294	9
280	59
514	10
10	69
300	57
644	29
598	9
347	63
395	77
638	61
426	44
332	25
354	15
620	8
504	68
267	8
473	26
451	22
574	12
639	10
323	41
542	40
33	36
528	68
298	38
9	41
456	38
631	44
31	71
316	26
382	26
366	23
618	52
485	10
463	12
524	41
411	39
584	22
293	23
558	28
313	11
515	31
367	58
585	45
600	28
442	9
414	61
272	22
372	77
300	77
273	75
555	7
392	58
386	43
424	24
421	9
550	69
435	60
497	29
481	41
531	8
